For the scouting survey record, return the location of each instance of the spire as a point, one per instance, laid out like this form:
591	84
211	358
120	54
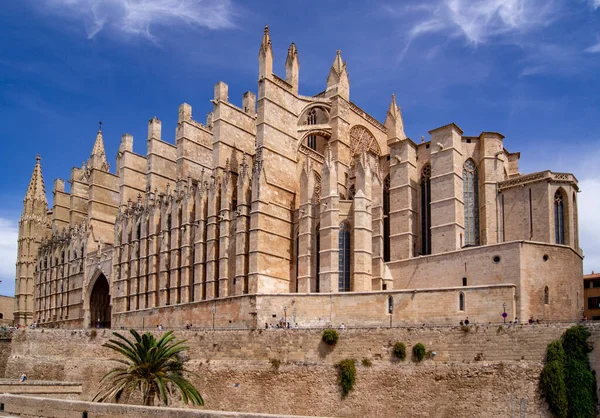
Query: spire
337	81
292	67
394	122
36	189
98	157
265	56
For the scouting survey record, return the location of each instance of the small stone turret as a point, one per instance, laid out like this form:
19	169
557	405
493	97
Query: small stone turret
394	122
97	159
265	56
292	67
337	81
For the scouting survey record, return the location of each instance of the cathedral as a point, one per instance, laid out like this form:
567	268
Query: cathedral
299	210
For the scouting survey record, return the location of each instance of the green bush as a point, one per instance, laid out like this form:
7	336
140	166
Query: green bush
275	363
330	336
400	350
347	375
568	366
552	381
419	352
366	362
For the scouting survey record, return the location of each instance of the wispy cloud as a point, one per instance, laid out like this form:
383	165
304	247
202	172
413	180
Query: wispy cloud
8	255
594	49
138	17
595	4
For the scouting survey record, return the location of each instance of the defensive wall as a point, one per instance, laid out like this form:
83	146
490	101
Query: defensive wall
482	371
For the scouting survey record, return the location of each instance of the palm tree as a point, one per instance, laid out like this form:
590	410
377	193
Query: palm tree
150	366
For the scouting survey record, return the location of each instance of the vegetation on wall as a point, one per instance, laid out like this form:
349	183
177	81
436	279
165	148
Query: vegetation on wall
568	366
399	350
330	336
347	375
149	366
419	352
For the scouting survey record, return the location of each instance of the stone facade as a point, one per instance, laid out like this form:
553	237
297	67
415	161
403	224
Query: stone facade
591	296
304	196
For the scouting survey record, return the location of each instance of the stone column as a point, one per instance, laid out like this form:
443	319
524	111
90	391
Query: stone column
306	279
212	243
490	172
363	234
200	245
329	228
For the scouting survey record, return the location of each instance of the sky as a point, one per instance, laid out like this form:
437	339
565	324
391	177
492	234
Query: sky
525	68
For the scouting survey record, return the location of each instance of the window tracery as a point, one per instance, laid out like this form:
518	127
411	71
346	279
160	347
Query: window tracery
471	203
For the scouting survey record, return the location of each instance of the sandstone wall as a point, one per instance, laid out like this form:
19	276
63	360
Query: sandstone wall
491	370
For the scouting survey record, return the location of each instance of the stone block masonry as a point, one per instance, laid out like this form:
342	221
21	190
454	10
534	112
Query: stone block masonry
487	371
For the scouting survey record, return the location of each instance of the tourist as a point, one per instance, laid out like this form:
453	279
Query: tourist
23	378
516	320
461	323
342	326
467	321
531	320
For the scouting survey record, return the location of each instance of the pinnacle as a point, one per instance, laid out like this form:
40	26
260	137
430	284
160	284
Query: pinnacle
98	156
36	189
393	110
266	40
338	64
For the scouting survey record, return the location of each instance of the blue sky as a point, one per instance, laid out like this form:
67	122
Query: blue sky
525	68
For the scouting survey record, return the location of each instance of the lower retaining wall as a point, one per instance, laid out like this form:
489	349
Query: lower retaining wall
26	406
62	390
477	371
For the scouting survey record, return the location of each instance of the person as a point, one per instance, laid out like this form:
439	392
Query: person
467	321
531	320
266	325
160	327
461	323
342	326
516	320
23	378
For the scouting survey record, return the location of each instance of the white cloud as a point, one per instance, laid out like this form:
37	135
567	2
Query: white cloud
137	17
8	255
595	4
594	49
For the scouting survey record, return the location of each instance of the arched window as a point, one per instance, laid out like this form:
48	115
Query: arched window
318	259
344	258
471	202
351	192
390	305
546	295
297	257
386	219
559	217
311	119
426	210
461	301
575	223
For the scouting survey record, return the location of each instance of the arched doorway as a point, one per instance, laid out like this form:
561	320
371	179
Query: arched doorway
100	304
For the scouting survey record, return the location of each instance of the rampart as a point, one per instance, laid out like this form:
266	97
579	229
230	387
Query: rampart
479	371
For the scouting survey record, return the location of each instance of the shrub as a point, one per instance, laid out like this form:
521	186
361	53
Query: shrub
465	328
568	366
399	350
366	362
275	363
347	375
330	336
93	334
419	352
552	381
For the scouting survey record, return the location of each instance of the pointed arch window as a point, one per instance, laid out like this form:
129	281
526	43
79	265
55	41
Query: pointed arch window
311	119
461	301
559	217
546	295
575	223
386	219
297	257
318	259
344	257
426	209
471	203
